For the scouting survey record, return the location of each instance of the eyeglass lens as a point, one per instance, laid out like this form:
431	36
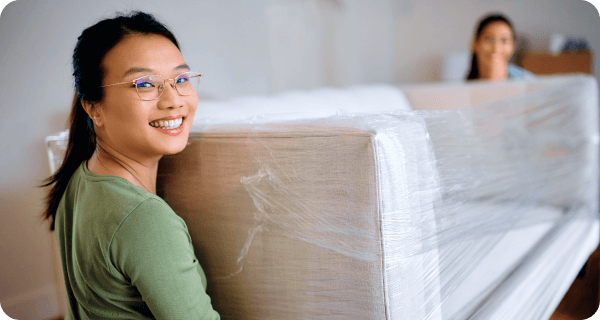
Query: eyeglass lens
151	87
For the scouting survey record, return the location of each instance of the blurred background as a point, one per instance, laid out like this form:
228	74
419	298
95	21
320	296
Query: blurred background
242	48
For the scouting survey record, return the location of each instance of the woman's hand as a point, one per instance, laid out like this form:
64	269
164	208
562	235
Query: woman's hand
498	68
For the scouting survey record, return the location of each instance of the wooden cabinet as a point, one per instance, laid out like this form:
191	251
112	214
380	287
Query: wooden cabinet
542	63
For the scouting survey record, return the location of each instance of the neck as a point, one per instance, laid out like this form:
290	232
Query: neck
108	161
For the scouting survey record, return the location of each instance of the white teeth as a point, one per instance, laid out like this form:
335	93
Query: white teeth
167	124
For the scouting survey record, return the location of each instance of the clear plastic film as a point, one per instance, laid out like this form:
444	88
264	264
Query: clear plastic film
518	177
56	146
485	211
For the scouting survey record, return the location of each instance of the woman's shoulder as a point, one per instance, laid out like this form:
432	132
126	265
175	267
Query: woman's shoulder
114	200
516	72
115	191
145	212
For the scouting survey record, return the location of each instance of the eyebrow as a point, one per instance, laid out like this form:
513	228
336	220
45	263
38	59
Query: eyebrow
133	70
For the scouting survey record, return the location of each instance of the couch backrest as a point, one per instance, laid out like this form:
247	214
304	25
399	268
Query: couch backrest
518	140
296	105
460	95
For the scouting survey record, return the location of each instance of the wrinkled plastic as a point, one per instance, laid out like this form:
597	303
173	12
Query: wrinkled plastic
486	211
56	146
518	177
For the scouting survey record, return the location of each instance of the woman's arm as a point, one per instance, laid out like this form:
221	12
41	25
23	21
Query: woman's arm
153	248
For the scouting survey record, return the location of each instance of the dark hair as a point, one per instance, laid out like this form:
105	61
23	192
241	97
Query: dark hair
474	71
88	71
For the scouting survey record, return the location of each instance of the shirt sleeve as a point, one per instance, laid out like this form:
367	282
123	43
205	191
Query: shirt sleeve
152	247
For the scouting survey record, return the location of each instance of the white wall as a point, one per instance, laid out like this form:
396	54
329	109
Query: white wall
242	47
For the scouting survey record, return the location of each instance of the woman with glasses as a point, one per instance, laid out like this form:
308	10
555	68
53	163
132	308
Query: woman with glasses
492	49
125	254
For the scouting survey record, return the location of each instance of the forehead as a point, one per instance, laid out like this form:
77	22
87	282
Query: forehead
496	28
152	52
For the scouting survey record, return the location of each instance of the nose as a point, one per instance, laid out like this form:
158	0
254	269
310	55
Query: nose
170	98
496	47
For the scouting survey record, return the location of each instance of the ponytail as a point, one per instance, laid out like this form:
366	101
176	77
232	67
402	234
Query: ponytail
81	146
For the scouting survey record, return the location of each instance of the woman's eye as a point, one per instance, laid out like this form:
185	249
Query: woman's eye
183	79
144	84
489	39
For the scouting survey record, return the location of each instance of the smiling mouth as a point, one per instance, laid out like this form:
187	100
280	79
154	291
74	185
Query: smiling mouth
166	124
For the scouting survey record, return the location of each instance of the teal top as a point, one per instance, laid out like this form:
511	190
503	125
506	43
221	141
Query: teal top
125	254
515	72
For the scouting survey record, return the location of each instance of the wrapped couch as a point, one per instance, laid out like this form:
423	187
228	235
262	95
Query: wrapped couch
431	201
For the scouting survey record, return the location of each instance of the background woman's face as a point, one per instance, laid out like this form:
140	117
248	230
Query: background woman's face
126	119
495	44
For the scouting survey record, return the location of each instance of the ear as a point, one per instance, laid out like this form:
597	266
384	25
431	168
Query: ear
93	111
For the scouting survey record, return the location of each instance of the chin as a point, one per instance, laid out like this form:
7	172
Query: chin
176	147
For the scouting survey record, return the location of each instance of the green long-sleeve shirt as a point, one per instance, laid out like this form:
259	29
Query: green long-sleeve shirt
126	254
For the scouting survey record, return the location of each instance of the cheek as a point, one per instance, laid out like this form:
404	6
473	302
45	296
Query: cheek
508	51
125	116
482	48
193	106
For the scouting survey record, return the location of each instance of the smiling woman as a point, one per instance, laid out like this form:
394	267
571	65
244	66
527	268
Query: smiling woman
492	49
125	253
122	120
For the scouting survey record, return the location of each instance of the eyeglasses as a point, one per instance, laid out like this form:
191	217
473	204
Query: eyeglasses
151	87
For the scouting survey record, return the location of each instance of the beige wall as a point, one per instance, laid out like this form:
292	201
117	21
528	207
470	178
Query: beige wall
242	47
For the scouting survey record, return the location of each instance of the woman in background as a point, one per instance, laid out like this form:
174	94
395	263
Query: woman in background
492	49
125	254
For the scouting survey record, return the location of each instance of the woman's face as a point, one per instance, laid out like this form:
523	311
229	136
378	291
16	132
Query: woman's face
126	121
495	44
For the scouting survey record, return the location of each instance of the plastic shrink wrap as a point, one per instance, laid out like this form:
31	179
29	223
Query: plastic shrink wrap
481	203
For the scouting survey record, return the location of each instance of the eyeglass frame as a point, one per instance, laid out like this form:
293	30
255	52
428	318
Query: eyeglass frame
160	92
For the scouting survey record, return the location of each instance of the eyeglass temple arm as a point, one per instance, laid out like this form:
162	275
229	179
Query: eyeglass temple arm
114	84
133	81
